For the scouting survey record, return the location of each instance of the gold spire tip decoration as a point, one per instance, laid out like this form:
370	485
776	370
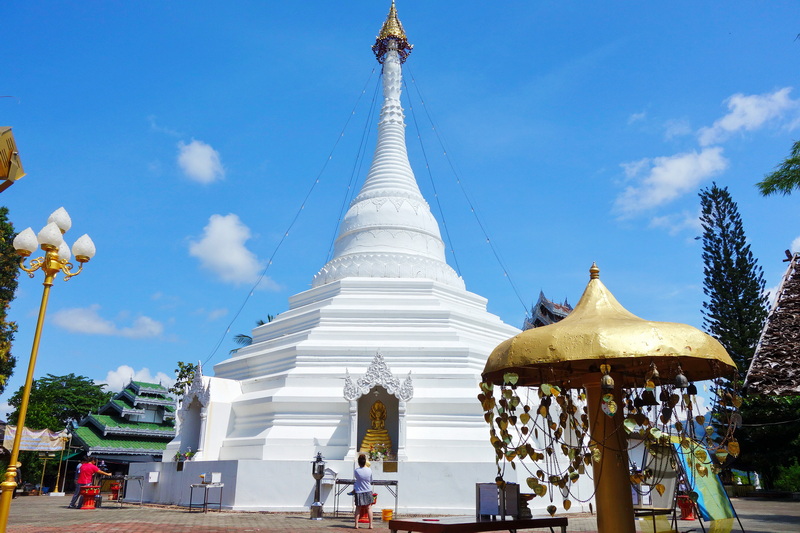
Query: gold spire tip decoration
594	272
392	27
392	30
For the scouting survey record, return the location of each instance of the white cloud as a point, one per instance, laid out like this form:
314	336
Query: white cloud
772	295
212	314
748	113
155	126
200	162
795	248
222	250
663	179
116	380
636	117
677	222
676	128
87	320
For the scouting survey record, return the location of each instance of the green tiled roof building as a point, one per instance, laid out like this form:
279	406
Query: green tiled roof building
134	426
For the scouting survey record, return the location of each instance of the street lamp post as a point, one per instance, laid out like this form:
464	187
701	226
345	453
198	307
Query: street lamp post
56	259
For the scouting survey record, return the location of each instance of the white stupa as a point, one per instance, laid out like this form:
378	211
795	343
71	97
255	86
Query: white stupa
386	319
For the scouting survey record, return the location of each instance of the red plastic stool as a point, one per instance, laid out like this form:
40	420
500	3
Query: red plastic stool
363	516
687	508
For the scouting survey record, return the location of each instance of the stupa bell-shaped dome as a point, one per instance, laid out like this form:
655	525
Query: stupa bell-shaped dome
389	230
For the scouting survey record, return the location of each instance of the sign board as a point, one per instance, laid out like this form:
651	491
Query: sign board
42	440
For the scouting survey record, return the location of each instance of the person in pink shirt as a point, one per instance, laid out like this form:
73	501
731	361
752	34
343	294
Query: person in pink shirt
87	472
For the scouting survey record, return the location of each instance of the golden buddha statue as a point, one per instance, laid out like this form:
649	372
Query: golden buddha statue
377	438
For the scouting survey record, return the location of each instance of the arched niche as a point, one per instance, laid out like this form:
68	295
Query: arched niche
391	391
190	426
392	423
193	415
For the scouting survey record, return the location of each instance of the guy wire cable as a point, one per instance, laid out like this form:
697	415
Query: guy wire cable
494	249
291	225
356	171
430	177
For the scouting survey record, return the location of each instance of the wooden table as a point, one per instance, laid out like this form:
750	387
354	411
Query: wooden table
469	524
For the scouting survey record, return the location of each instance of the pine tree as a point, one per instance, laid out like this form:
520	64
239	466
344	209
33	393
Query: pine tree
735	309
734	313
9	271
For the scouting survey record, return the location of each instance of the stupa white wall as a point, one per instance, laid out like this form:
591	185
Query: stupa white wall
386	318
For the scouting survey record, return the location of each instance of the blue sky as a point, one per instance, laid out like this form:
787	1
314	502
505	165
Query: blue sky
183	137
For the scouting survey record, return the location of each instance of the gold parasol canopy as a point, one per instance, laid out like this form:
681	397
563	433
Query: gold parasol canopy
600	331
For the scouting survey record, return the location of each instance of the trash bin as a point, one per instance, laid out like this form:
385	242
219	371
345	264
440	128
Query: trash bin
386	515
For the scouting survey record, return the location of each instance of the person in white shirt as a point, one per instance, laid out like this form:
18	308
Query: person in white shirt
363	489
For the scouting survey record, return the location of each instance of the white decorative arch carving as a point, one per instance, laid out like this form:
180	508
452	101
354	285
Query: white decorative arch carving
378	373
202	393
196	391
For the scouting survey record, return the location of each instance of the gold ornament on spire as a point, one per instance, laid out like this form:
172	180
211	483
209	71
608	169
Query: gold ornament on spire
392	32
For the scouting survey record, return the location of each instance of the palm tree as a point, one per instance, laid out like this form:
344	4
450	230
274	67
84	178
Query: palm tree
786	176
246	340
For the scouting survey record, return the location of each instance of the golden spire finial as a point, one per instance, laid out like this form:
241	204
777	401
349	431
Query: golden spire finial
594	272
392	29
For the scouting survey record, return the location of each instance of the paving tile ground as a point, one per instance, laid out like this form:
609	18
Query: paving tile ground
43	514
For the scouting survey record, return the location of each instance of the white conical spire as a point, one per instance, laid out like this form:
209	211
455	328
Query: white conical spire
389	230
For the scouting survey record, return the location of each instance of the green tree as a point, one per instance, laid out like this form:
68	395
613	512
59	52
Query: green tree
56	400
53	403
184	375
770	436
246	340
735	307
9	271
786	176
734	312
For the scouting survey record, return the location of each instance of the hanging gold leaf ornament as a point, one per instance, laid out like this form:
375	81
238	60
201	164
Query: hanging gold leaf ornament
596	455
552	510
660	489
510	378
609	407
567	505
701	454
733	448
